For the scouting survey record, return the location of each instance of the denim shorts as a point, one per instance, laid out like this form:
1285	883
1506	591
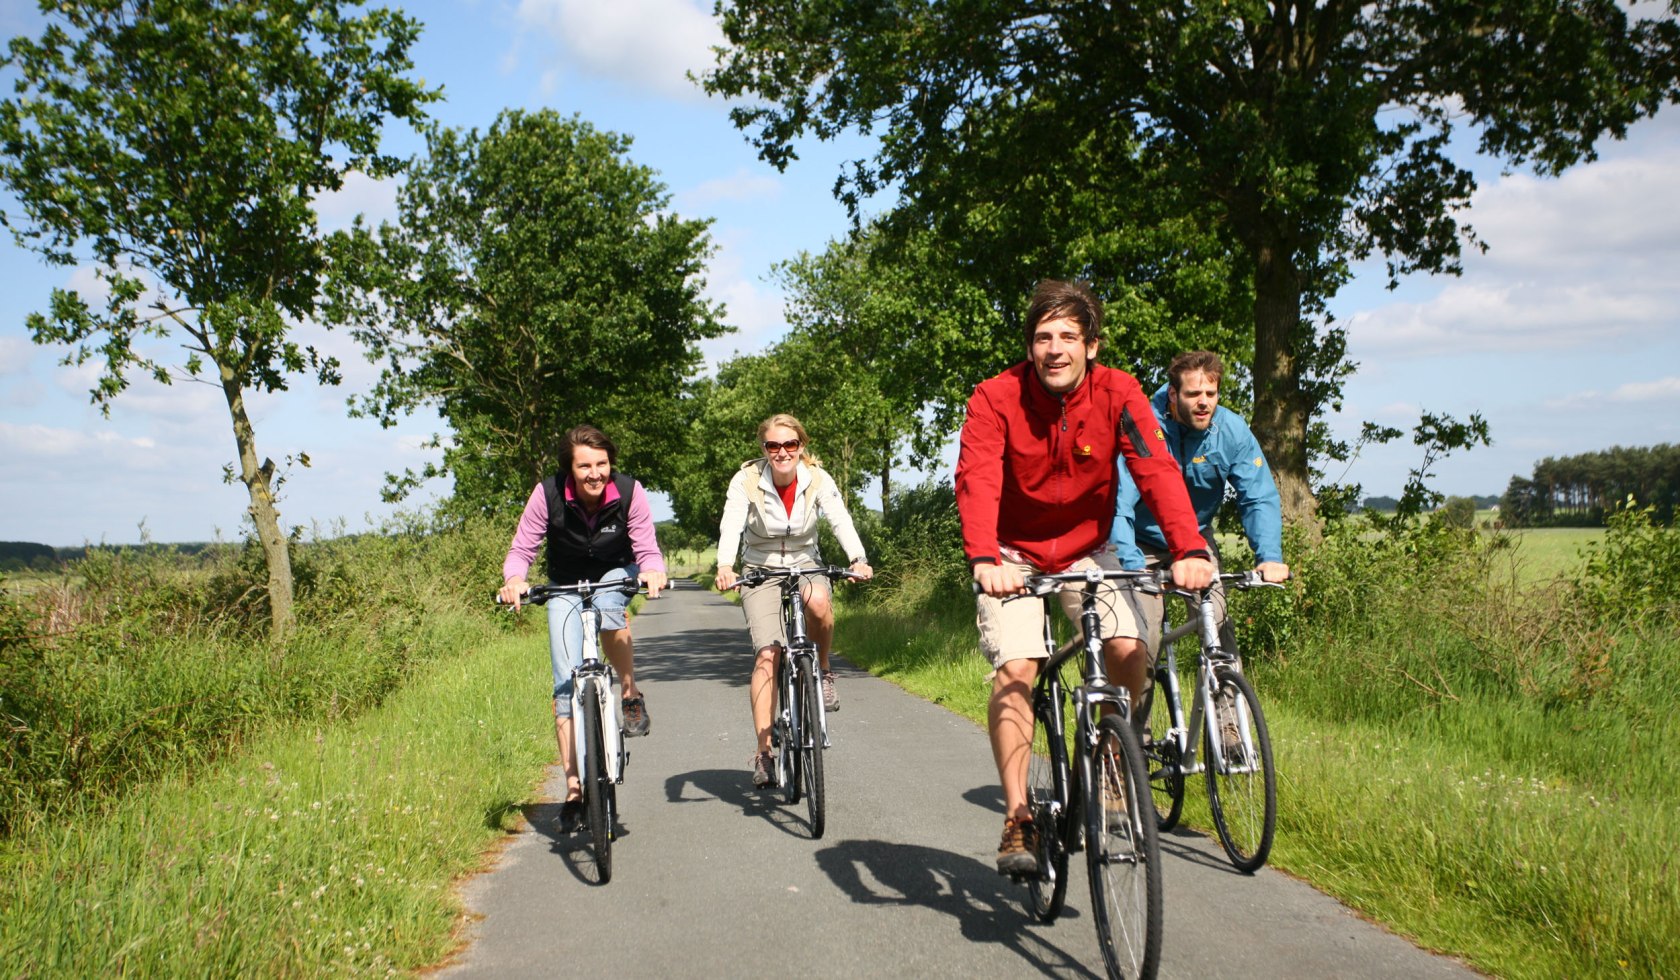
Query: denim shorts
565	632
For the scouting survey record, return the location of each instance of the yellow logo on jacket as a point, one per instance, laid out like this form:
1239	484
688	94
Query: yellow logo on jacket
1084	450
1199	459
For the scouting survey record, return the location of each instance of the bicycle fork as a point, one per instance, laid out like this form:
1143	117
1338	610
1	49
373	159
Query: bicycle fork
594	680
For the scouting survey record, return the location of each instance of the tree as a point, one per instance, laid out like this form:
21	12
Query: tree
1304	135
181	145
534	280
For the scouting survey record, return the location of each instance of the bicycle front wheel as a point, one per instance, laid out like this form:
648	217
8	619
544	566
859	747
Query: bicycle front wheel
811	749
1241	785
787	720
1047	775
1122	852
596	785
1166	763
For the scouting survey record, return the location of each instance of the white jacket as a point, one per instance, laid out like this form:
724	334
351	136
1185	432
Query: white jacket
753	513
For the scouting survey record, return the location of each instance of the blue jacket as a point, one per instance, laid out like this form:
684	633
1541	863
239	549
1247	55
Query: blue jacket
1227	453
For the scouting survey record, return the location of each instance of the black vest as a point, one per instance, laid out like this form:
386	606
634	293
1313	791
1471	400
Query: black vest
578	552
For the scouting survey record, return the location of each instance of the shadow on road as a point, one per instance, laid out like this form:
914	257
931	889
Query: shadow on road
573	847
1182	844
986	906
988	797
696	654
734	788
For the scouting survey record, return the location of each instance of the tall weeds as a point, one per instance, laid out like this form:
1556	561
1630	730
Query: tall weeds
137	663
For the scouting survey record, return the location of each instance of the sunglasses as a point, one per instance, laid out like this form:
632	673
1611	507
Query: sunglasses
792	446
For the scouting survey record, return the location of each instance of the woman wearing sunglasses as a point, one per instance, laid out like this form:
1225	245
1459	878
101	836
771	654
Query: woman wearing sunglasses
770	521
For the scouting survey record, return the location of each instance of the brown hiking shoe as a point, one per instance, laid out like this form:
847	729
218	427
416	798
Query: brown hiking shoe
1018	851
763	769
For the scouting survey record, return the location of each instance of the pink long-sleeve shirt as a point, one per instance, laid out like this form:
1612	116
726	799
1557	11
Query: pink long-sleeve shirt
532	530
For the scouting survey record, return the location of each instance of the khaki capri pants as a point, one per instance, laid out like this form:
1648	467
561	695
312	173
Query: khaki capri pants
1014	630
762	605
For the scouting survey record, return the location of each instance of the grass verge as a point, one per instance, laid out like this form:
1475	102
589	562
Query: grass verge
317	850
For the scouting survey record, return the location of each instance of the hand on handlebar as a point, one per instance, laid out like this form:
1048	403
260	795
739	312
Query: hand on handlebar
726	579
655	582
1192	573
512	590
1273	571
862	570
999	581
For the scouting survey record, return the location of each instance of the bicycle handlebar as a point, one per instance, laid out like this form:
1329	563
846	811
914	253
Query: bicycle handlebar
759	576
1151	581
539	594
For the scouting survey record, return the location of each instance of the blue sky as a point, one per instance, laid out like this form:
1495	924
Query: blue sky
1568	328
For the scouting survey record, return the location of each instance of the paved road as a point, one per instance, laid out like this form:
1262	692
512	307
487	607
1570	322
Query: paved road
713	878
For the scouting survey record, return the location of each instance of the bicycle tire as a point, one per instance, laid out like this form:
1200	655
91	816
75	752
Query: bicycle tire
1047	890
811	750
1122	852
596	786
1165	761
1243	801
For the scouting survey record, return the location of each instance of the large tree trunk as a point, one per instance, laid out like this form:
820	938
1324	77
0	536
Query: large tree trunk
1281	412
258	481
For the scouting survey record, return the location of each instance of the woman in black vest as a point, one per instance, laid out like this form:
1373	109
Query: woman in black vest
598	526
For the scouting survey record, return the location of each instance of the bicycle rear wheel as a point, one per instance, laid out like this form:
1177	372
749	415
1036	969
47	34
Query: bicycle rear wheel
596	786
811	749
1122	852
1241	785
1166	773
1047	774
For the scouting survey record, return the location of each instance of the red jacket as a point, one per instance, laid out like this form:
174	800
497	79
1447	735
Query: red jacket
1036	471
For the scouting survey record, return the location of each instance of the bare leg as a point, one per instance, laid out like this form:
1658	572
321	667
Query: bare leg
763	694
568	759
819	622
1127	661
1009	723
617	646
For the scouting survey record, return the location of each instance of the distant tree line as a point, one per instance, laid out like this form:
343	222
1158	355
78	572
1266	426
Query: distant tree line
1388	505
1580	491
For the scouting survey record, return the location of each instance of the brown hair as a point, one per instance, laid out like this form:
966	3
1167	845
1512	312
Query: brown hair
1054	299
586	435
1205	361
787	421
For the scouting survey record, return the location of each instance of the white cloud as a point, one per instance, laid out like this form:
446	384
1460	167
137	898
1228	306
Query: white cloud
645	44
742	186
1598	213
361	194
1661	391
16	355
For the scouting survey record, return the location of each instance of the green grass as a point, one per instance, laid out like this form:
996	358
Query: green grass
1542	554
317	850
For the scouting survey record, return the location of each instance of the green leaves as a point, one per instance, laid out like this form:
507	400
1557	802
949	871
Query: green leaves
533	281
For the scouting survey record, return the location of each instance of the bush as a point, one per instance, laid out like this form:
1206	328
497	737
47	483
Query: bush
1628	577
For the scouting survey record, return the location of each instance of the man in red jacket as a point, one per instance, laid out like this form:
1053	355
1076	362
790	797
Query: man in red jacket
1036	489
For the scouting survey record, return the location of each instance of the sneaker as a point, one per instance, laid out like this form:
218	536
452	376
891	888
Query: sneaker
1230	737
635	717
763	769
571	814
1018	851
831	697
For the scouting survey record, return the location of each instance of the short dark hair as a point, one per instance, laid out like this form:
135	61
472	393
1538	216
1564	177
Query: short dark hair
1205	361
1054	299
586	435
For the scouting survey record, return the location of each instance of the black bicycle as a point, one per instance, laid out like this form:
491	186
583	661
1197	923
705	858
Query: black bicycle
597	729
799	724
1236	748
1096	801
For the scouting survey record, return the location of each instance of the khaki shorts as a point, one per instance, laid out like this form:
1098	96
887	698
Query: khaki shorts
1150	606
763	606
1014	630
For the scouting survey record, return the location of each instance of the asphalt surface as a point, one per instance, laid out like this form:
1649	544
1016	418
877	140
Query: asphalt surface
714	878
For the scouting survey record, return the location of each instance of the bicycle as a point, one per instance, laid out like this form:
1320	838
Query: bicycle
597	729
1096	805
799	722
1241	784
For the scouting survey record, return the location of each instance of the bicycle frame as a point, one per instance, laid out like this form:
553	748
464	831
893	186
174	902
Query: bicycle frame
799	656
1210	655
593	679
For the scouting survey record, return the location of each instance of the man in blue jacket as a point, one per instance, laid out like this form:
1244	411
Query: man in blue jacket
1215	449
